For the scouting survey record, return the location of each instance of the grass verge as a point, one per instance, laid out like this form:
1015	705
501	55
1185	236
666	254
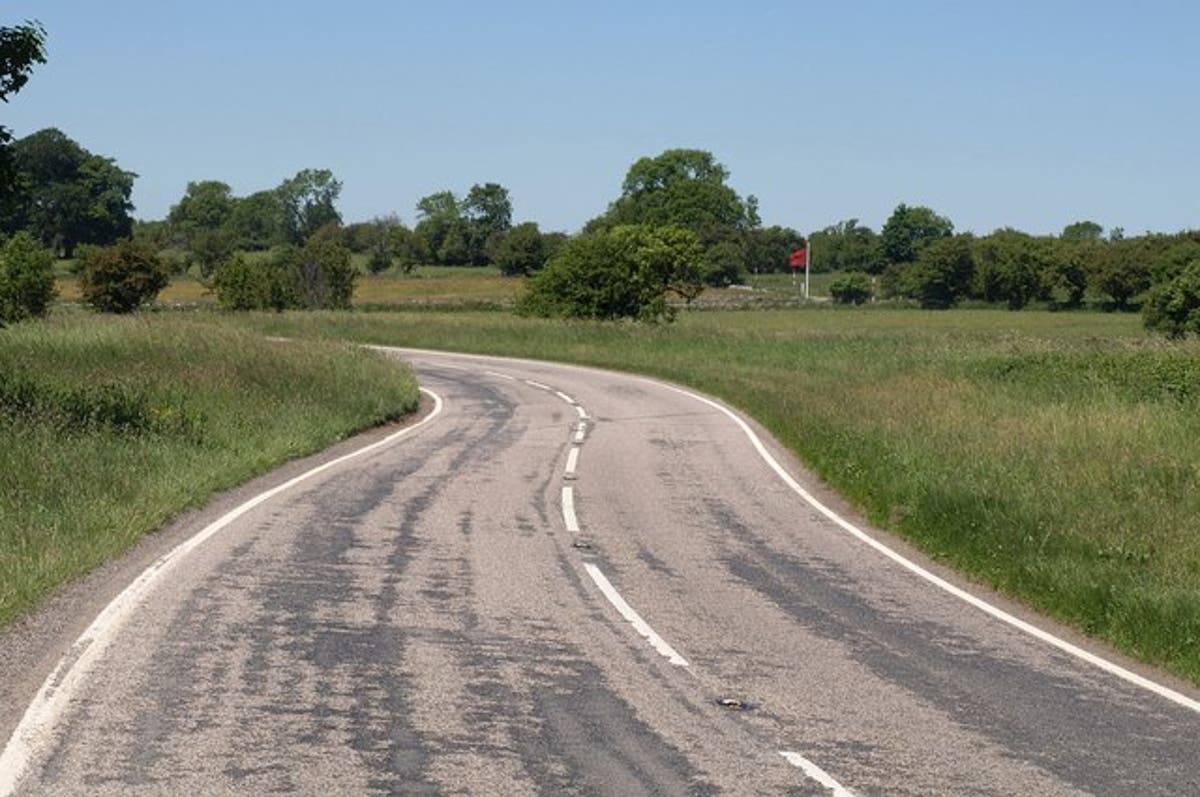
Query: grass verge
1055	456
110	426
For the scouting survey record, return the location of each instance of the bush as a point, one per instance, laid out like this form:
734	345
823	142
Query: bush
1173	308
623	272
318	276
942	273
723	264
26	279
122	277
518	251
244	284
853	288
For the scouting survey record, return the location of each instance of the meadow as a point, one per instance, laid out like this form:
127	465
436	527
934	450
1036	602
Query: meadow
111	426
1053	456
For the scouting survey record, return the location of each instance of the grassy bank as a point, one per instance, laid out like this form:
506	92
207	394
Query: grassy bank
108	427
1055	456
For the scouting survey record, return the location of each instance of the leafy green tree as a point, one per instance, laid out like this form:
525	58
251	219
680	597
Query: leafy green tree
206	206
911	229
521	250
382	239
1082	231
208	248
487	210
852	288
67	196
257	221
1173	308
723	264
1175	258
1066	273
26	279
847	246
323	274
767	249
21	47
241	283
122	277
439	219
624	272
942	273
1009	267
1122	270
308	202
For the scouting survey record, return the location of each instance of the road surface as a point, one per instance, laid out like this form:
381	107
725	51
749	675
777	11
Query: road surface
572	582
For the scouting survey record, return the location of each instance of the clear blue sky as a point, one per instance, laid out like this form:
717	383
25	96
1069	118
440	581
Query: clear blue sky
1029	114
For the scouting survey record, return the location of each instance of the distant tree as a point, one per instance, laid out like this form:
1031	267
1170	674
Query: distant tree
206	206
521	250
1066	274
624	272
847	246
911	229
1182	251
322	273
383	237
487	210
208	248
122	277
26	279
1082	231
723	264
21	47
67	196
852	288
1009	268
942	273
257	221
241	283
1122	270
308	202
440	220
1173	307
767	249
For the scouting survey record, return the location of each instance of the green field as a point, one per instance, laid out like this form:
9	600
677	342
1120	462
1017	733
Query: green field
1055	456
110	426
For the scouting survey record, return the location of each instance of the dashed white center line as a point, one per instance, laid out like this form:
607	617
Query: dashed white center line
564	397
582	412
568	510
816	773
572	462
499	375
634	619
538	385
580	431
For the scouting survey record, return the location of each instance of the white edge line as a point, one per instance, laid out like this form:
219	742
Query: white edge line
501	376
568	510
633	617
538	385
979	603
816	773
34	730
572	461
564	397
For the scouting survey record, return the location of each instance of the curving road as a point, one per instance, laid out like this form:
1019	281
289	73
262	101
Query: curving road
569	581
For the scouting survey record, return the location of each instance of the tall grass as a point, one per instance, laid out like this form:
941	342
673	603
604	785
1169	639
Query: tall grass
1053	456
109	426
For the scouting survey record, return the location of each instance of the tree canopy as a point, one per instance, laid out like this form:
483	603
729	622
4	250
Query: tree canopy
21	47
909	230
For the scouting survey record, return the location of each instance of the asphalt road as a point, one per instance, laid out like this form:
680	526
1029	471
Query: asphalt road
472	608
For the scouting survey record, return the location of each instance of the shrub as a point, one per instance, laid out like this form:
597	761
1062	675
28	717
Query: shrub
1173	308
26	279
623	272
853	288
318	276
723	264
942	273
244	284
122	277
520	250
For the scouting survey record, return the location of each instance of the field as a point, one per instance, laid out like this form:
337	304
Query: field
108	427
1055	456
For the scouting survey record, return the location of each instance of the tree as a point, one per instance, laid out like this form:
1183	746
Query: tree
382	239
1082	231
911	229
1122	270
21	47
1009	267
852	288
122	277
625	272
682	188
206	206
322	273
26	279
847	246
519	251
941	274
439	218
767	249
67	196
1173	308
308	203
257	221
488	213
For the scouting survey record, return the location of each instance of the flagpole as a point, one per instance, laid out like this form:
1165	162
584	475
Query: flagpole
807	267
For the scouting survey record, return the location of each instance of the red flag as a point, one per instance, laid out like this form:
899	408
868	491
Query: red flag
799	258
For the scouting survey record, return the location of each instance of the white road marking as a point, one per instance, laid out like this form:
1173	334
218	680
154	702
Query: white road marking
938	581
817	774
564	397
501	376
634	619
568	510
941	583
580	431
538	385
572	462
583	416
34	733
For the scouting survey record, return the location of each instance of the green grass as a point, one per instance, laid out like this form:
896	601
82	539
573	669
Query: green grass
1055	456
110	426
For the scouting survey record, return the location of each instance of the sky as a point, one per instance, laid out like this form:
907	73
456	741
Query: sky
1013	113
